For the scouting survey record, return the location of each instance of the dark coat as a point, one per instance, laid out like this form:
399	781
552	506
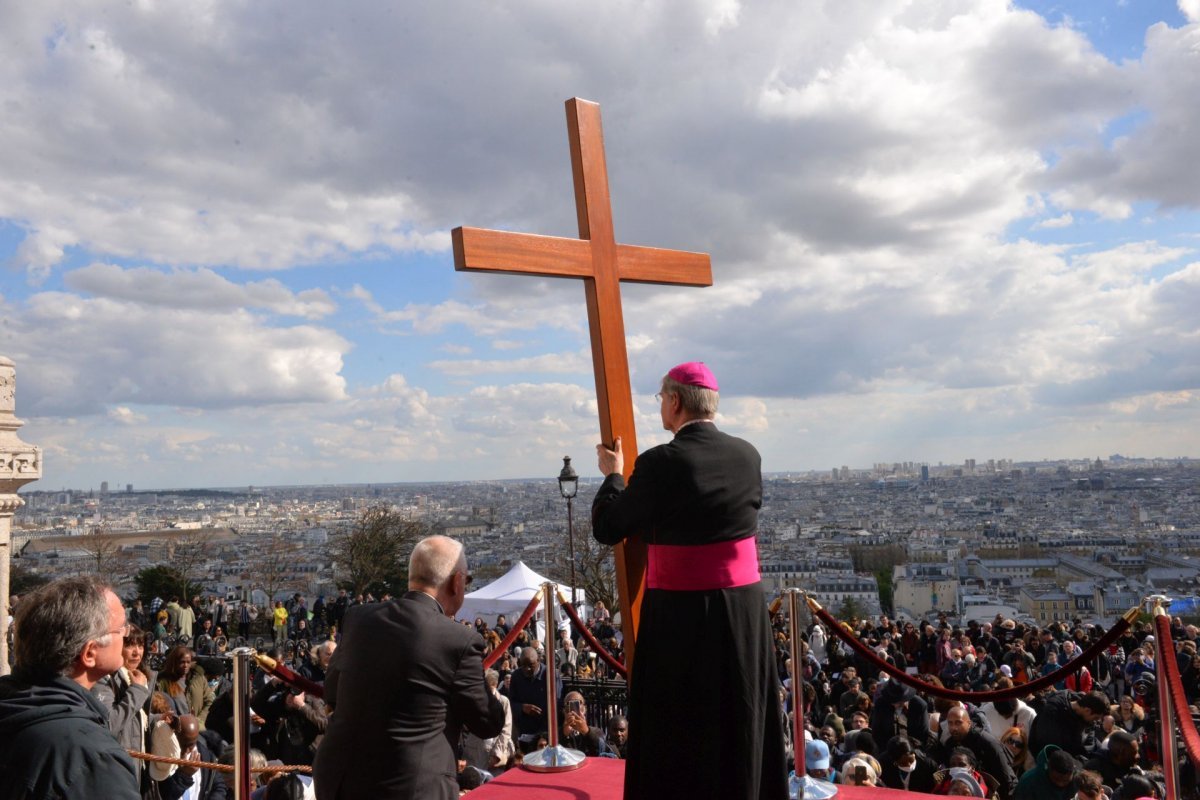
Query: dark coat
920	780
55	743
711	727
992	757
212	785
402	684
1057	723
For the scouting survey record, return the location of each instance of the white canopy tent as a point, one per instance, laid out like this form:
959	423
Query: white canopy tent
510	595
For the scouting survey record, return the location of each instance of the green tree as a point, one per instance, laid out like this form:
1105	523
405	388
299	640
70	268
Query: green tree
883	577
373	556
850	611
163	581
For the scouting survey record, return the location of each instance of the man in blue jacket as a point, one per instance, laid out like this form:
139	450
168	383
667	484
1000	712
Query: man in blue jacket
54	737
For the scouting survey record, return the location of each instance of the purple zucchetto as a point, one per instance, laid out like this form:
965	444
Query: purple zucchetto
694	373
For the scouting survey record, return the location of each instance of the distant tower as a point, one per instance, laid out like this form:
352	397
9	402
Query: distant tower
103	487
924	473
129	488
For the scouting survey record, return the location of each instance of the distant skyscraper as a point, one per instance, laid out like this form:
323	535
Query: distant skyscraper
924	473
129	488
104	487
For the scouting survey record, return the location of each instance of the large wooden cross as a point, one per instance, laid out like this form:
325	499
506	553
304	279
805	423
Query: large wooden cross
602	264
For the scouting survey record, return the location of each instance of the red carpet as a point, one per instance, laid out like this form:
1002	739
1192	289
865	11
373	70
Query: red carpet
603	778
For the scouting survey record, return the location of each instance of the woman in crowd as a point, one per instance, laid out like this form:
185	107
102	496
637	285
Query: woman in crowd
126	695
1128	715
1016	744
184	683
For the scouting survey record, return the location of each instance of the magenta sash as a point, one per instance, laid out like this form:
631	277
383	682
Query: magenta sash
700	567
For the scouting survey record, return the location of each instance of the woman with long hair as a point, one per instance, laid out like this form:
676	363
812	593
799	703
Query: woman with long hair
184	683
1016	744
1128	715
126	695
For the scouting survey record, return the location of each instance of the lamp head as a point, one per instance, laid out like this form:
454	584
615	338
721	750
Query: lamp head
568	481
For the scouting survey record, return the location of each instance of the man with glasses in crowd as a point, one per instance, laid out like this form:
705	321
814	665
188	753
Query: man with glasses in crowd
54	737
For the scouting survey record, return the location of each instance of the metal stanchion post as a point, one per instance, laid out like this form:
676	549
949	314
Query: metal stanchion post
243	657
1168	746
553	757
800	785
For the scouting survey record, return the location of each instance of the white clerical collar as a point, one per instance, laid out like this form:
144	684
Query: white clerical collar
692	422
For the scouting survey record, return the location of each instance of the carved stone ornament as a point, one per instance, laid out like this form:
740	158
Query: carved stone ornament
20	463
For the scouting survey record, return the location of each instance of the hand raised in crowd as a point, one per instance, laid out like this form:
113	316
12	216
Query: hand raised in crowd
191	754
531	709
574	721
138	677
294	700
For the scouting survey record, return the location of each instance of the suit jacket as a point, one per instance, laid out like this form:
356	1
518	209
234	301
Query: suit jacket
403	682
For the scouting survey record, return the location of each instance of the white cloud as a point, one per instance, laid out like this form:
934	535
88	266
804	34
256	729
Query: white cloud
856	170
97	352
196	289
1190	9
1061	221
125	415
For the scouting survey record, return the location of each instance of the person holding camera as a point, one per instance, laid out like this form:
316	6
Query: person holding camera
576	733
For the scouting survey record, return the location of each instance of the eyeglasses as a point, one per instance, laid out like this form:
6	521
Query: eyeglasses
1013	742
123	630
658	397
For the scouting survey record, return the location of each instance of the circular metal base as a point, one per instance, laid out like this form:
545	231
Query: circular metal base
809	788
554	759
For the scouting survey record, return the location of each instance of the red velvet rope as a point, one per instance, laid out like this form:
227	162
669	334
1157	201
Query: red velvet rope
1024	689
494	656
1168	672
290	676
617	666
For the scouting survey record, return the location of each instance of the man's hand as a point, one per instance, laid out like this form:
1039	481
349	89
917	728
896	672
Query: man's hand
574	722
531	709
611	461
192	754
138	677
294	700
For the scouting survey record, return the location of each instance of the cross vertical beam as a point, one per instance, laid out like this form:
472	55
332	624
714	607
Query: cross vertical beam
602	264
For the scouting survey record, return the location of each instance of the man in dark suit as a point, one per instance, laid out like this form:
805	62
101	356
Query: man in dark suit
704	713
404	681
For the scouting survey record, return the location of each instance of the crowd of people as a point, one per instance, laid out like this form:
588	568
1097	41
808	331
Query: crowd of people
1087	735
169	691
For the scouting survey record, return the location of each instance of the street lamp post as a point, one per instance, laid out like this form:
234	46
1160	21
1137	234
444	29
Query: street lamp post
568	485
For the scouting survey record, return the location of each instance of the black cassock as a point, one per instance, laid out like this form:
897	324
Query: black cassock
704	711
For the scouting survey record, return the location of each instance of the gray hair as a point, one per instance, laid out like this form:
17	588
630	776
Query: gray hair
55	622
696	400
433	561
491	678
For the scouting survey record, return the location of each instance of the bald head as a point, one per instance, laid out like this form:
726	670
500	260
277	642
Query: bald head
188	732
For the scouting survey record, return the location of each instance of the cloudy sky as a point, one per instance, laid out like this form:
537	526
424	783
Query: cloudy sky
940	229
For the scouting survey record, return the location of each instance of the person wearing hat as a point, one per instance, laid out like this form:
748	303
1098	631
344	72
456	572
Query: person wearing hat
817	761
717	722
900	710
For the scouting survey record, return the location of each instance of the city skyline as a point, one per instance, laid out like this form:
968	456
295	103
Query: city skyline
960	228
